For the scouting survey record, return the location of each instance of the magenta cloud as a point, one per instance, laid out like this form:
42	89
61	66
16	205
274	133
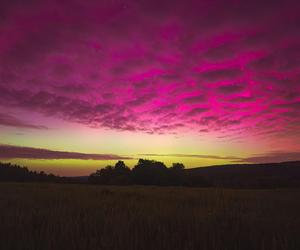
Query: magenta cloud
154	66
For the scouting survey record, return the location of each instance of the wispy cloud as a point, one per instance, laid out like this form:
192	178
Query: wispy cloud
215	157
276	156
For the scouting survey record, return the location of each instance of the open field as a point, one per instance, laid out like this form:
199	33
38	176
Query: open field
56	216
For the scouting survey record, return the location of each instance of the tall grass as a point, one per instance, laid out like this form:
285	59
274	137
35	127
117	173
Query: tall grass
53	216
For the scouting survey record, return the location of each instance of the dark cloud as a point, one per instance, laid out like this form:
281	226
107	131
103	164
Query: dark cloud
166	109
141	100
52	104
141	84
275	80
289	105
17	152
231	88
281	59
264	63
195	99
197	111
231	122
208	119
222	52
289	57
221	74
62	70
72	89
243	99
166	128
11	121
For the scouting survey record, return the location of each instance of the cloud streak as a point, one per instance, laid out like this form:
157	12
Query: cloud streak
10	152
276	156
214	157
17	152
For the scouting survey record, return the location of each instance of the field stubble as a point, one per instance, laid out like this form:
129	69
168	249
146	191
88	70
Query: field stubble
55	216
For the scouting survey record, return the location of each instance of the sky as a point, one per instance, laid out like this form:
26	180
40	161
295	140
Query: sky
84	84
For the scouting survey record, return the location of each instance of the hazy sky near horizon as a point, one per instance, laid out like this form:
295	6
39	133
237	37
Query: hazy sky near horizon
86	83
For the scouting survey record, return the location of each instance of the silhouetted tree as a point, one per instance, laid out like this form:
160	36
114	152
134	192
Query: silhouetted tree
146	172
102	176
117	175
177	174
150	172
121	174
121	168
177	167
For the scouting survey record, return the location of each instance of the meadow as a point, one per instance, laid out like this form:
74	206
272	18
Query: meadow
37	216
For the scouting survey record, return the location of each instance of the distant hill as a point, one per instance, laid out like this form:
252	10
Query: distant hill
266	175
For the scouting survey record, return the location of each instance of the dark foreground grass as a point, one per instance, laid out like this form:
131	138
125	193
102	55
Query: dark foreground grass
52	216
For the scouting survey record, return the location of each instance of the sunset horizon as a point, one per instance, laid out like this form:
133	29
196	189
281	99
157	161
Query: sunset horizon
149	125
70	163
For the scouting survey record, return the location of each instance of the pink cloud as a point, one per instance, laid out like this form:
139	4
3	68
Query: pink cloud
154	67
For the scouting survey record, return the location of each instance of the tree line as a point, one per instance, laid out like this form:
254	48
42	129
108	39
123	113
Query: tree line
15	173
145	172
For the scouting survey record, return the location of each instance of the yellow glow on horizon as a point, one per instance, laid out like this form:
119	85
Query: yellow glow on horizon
71	167
82	139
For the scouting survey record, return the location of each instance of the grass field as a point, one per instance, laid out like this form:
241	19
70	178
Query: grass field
53	216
